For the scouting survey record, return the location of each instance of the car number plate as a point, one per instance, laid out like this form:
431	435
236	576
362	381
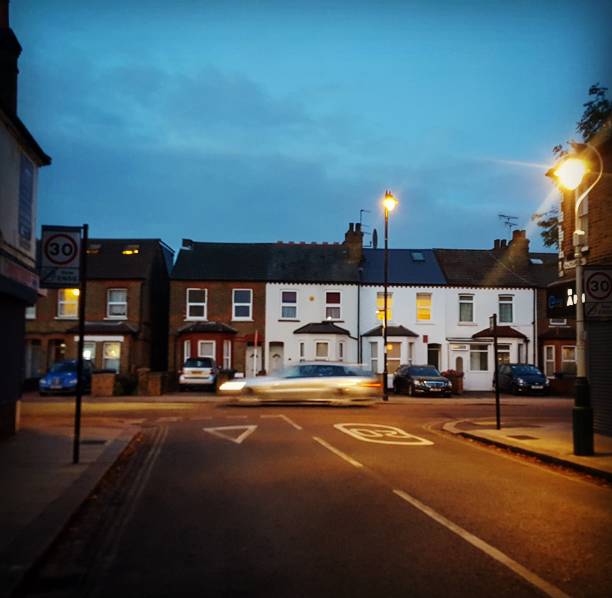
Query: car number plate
435	389
197	373
56	386
537	386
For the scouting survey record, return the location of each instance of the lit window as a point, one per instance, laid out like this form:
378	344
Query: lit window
67	303
111	353
505	309
321	350
116	303
89	350
503	353
568	359
380	306
393	356
131	250
206	349
242	304
93	248
466	308
30	312
196	304
423	305
333	309
289	305
479	358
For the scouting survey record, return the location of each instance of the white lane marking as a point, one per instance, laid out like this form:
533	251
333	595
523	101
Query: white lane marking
227	432
287	419
382	434
494	553
337	452
236	416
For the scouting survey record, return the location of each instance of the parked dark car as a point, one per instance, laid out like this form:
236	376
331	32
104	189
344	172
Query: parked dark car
521	378
420	379
62	378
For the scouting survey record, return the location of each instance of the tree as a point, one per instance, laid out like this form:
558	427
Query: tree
596	121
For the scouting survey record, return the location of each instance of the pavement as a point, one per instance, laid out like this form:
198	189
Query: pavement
42	489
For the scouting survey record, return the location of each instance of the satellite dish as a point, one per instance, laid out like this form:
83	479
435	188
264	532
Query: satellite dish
374	238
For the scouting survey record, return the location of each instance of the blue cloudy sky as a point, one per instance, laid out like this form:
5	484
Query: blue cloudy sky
280	120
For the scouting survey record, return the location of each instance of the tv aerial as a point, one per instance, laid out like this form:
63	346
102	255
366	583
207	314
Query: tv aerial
364	226
508	221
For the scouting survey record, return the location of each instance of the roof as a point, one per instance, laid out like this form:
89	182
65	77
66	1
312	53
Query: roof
483	267
391	331
208	327
25	137
266	262
405	267
106	327
321	328
502	332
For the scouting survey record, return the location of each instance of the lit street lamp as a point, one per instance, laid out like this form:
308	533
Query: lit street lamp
389	203
569	174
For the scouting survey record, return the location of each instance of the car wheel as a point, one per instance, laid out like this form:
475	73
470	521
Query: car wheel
446	394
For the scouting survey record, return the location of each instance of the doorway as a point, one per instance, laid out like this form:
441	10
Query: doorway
433	355
276	357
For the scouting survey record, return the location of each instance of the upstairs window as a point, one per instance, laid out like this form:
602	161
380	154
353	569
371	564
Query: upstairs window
289	305
242	304
380	306
466	308
68	303
116	303
333	307
30	312
131	250
196	304
423	307
505	309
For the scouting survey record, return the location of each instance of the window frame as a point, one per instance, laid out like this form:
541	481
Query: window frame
317	356
418	308
505	300
92	346
61	303
203	304
329	305
30	312
236	304
551	360
285	304
106	359
214	348
110	316
186	349
466	299
227	354
481	351
572	370
380	305
374	356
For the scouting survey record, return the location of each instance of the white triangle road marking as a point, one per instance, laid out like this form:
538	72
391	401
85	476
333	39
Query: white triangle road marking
225	432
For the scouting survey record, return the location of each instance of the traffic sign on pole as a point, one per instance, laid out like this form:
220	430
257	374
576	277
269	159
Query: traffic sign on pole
60	256
598	292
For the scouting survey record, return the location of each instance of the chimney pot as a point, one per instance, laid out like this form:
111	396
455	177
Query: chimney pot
496	244
502	243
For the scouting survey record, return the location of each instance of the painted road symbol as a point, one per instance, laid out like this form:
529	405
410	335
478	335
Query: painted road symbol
381	434
229	432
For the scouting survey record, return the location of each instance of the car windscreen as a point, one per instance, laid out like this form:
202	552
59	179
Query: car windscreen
200	362
423	371
317	371
523	370
60	368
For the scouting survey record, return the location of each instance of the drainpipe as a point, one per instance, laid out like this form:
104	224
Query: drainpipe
535	325
359	272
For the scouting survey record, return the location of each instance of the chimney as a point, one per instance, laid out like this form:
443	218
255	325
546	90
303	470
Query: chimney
496	244
518	251
353	240
9	55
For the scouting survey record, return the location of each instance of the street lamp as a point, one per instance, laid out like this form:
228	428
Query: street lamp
569	174
389	203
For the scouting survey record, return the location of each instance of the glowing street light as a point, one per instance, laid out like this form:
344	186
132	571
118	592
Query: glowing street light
389	203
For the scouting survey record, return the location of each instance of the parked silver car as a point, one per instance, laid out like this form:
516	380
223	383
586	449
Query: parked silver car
198	372
318	382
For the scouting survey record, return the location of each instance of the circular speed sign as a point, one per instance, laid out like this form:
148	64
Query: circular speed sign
599	286
60	249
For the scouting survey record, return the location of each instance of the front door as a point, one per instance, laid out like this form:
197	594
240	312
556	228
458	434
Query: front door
253	360
433	355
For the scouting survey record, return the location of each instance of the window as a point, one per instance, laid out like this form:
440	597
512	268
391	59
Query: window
131	250
466	308
206	349
196	304
568	359
333	305
321	350
417	256
67	303
380	306
302	351
341	351
549	360
242	304
503	353
30	312
557	322
505	309
116	303
423	306
93	248
289	305
393	356
227	354
186	350
479	358
374	357
89	350
111	353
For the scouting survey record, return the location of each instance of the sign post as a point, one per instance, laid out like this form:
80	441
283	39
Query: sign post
493	326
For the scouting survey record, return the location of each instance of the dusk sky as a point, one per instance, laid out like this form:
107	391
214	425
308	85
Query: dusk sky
262	121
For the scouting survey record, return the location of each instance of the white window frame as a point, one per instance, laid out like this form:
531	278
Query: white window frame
285	304
506	350
186	350
106	359
466	299
30	312
563	361
317	356
201	351
302	350
91	345
394	362
227	354
549	358
203	304
480	351
505	300
236	304
341	350
374	356
329	306
422	295
380	306
110	316
62	302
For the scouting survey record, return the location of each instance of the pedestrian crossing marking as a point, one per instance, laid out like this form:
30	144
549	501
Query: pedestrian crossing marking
229	432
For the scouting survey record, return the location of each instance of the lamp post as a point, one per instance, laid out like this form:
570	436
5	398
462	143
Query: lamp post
569	175
389	203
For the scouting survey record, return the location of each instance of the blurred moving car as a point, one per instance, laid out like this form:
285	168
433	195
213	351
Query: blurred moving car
62	378
521	378
319	382
200	372
421	379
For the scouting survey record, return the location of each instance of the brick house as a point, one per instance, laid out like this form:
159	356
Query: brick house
126	311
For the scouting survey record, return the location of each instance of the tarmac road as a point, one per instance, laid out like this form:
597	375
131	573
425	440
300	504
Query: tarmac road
326	502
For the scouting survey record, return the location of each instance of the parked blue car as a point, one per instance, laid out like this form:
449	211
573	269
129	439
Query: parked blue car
62	378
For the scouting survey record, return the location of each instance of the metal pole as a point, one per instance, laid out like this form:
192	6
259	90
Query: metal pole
386	280
81	344
496	373
582	413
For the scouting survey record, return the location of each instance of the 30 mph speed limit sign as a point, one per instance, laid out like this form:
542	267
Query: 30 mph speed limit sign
598	291
60	256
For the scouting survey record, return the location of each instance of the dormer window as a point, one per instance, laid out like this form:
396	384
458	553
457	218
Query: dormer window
93	248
